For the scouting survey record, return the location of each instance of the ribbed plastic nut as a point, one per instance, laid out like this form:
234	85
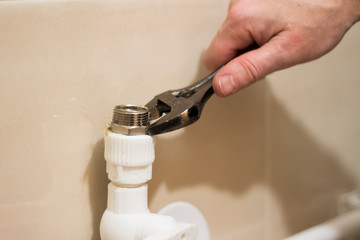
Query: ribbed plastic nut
129	151
128	176
129	158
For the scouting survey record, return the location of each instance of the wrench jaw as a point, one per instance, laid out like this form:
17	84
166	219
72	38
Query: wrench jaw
178	117
157	107
164	125
170	110
175	109
164	103
169	123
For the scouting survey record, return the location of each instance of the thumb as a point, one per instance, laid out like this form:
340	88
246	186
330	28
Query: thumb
254	65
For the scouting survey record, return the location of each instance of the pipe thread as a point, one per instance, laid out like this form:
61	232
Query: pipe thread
131	115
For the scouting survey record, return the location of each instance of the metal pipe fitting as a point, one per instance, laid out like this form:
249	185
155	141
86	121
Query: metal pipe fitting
130	120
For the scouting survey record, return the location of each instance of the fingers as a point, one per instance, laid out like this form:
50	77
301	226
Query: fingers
221	50
289	33
254	65
240	72
225	45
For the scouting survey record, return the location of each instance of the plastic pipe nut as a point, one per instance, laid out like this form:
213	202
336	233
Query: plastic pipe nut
129	158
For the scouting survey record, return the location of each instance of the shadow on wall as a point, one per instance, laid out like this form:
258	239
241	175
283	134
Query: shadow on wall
226	149
96	177
305	177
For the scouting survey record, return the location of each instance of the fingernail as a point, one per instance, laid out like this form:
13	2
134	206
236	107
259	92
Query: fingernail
227	85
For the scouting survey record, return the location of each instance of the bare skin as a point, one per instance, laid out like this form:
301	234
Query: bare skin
288	32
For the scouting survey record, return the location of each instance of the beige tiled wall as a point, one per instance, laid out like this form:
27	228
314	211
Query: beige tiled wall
313	137
262	164
64	65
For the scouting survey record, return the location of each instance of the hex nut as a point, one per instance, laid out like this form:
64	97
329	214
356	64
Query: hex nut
130	120
128	130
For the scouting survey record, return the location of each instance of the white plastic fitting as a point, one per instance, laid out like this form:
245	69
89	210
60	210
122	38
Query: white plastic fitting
127	217
129	158
345	226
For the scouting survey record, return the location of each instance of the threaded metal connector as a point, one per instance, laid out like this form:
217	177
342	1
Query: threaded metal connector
130	120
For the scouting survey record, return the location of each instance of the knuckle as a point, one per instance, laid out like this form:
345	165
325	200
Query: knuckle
238	12
252	70
292	49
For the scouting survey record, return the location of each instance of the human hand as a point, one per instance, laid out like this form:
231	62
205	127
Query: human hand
288	32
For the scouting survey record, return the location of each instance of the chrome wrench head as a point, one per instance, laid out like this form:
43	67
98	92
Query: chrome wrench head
176	109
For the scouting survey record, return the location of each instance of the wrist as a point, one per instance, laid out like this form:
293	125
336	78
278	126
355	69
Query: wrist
356	8
350	10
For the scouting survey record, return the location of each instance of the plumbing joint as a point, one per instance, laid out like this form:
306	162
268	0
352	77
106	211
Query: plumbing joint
130	120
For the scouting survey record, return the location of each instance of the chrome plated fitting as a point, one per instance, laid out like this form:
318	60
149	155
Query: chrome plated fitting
130	120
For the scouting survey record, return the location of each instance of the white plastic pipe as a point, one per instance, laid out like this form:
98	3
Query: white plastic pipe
346	226
127	217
